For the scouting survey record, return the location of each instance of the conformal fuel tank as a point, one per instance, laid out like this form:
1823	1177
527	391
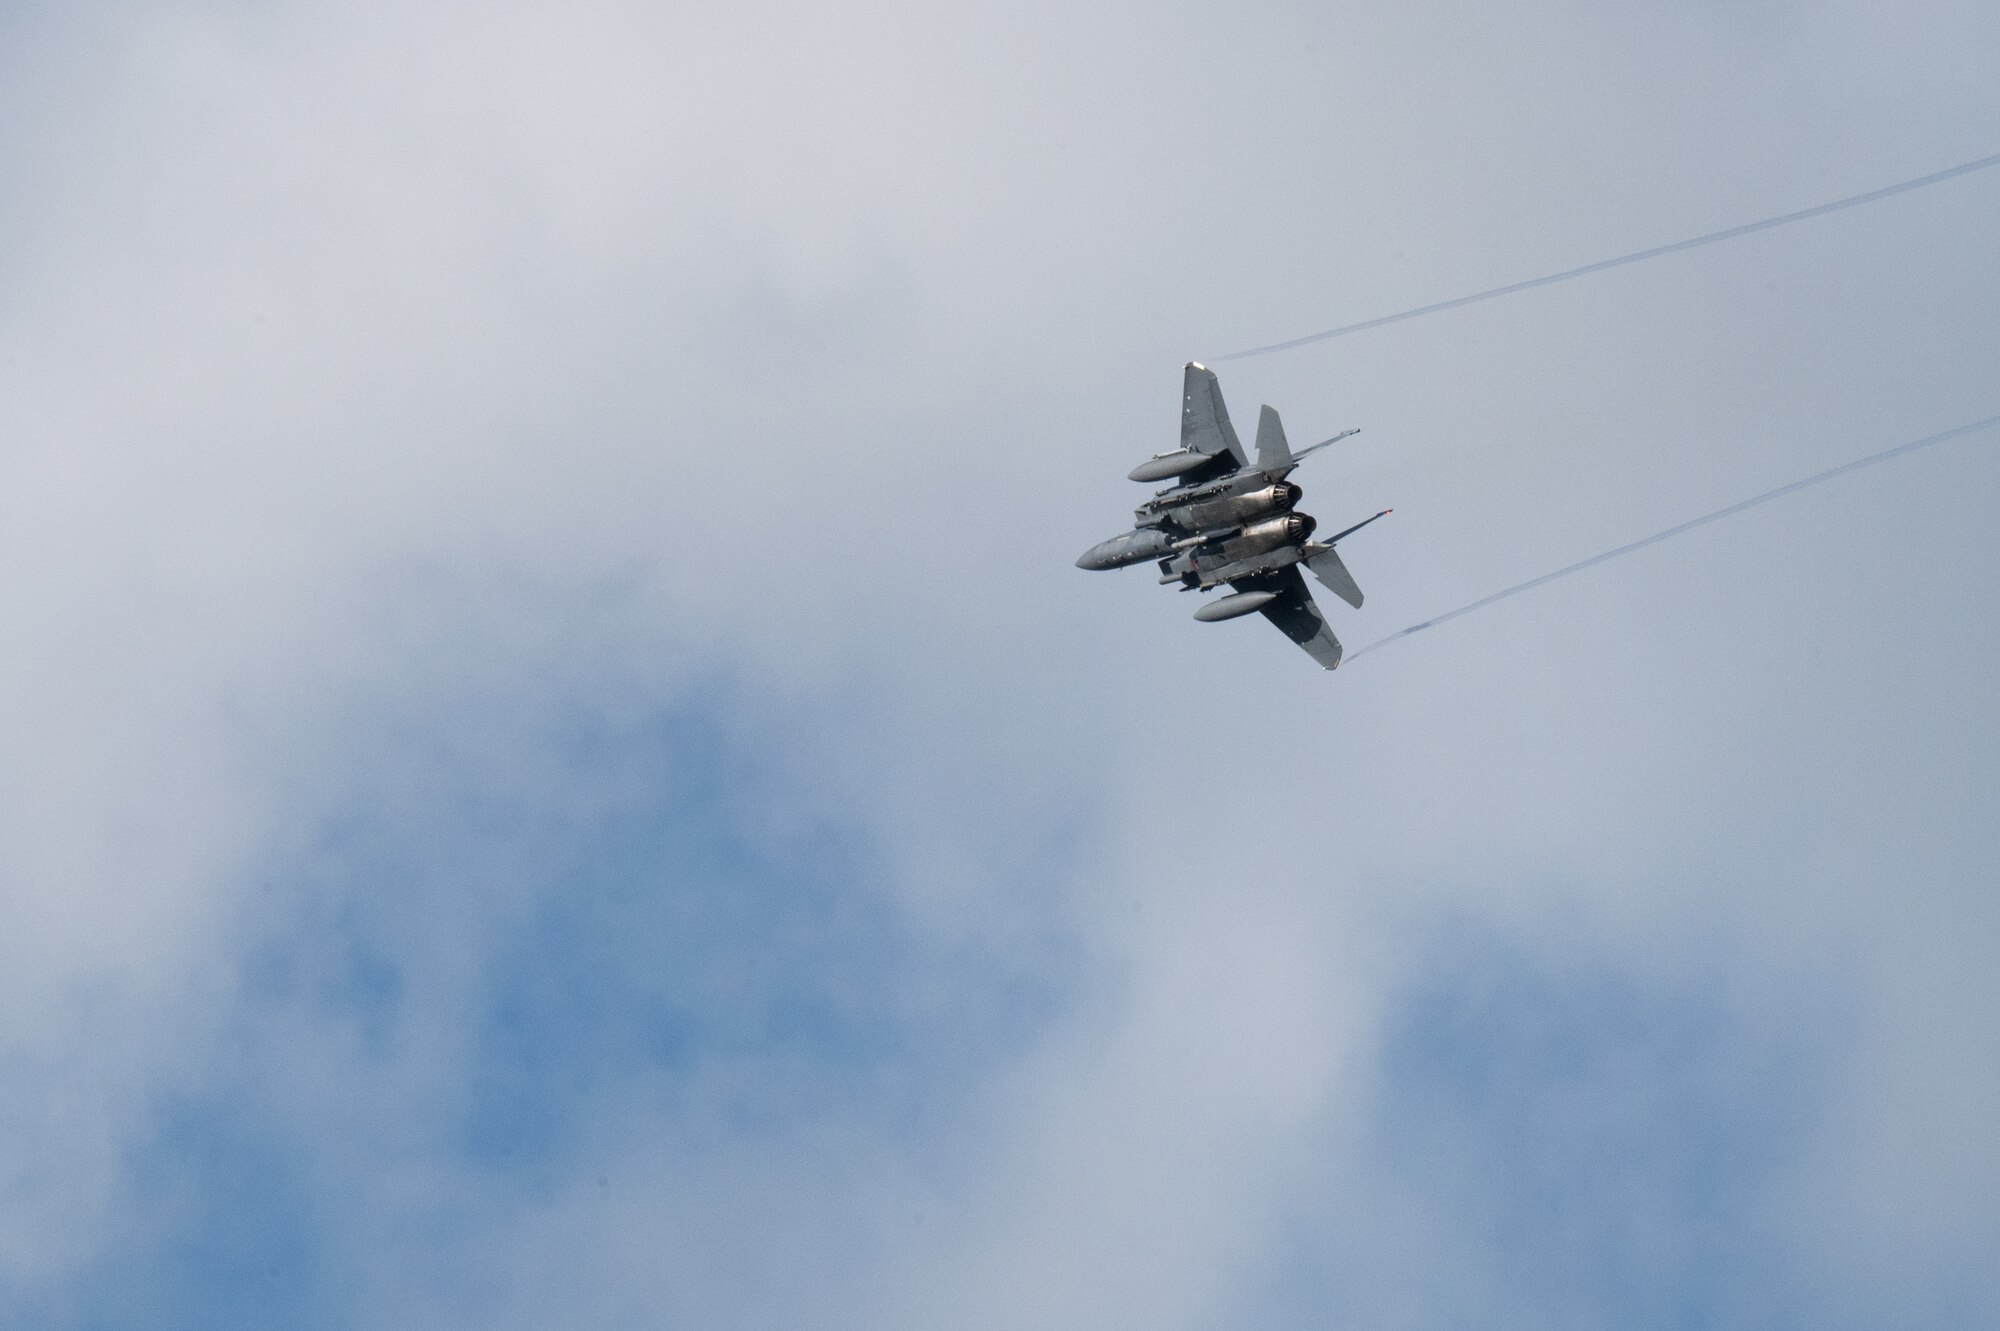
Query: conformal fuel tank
1229	607
1170	464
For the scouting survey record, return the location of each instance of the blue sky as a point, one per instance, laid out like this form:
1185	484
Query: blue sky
660	950
557	769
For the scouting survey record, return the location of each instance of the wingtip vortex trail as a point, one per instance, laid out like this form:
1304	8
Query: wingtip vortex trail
1742	505
1637	256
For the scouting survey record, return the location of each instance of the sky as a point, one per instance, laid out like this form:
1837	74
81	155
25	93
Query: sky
556	769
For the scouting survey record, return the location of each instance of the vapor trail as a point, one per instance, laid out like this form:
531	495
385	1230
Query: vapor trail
1623	259
1687	526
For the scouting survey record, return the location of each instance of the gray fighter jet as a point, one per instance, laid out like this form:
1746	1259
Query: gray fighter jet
1227	519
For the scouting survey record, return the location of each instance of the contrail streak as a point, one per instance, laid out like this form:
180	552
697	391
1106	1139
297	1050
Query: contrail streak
1702	521
1712	238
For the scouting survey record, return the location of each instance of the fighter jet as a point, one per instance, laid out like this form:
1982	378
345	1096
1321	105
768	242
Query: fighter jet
1229	520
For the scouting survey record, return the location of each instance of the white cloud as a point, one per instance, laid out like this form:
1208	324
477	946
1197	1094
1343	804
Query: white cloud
820	338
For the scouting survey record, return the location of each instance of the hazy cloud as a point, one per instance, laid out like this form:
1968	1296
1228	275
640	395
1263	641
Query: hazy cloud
555	767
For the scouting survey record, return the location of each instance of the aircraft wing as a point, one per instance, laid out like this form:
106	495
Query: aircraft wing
1295	614
1205	426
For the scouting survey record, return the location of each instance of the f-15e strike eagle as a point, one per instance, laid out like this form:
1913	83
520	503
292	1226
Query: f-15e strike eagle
1228	520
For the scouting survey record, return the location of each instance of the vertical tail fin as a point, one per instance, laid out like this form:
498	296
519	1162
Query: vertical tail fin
1272	451
1205	426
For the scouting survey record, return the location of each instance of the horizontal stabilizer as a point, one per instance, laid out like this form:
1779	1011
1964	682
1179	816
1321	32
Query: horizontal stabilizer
1301	454
1340	536
1326	566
